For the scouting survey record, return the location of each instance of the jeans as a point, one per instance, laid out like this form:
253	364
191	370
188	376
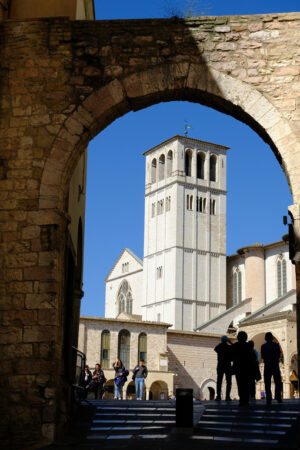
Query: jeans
221	371
139	386
118	391
269	372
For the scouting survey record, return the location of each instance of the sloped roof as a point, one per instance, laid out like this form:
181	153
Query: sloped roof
138	260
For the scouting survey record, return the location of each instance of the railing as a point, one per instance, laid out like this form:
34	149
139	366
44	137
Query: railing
78	363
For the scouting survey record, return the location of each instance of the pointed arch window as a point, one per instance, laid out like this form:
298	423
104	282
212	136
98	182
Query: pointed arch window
105	349
125	300
213	168
169	163
281	276
200	165
237	286
124	348
142	352
153	171
188	163
161	167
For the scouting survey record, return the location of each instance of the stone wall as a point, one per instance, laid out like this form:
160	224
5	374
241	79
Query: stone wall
194	362
61	83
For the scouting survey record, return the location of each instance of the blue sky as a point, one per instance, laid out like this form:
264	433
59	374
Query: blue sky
258	194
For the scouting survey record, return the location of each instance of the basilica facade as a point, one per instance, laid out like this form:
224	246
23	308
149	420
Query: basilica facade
186	293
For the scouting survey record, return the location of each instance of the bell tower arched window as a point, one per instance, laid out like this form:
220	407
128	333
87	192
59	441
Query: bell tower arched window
124	348
153	171
200	165
188	163
213	168
161	167
169	163
124	299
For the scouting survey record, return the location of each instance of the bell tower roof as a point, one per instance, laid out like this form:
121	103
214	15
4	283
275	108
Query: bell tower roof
186	139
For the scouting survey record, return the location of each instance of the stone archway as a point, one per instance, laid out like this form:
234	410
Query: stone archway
159	390
208	389
61	83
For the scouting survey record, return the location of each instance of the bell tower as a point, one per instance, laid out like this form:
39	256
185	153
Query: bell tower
184	266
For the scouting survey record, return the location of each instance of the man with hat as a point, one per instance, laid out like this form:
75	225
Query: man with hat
224	351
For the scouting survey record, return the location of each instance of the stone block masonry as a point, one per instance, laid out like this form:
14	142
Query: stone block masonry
61	83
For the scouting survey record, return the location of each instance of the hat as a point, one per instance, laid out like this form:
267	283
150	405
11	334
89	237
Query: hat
224	338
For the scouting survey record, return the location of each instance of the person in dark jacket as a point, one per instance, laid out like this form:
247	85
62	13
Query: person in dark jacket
243	366
85	379
97	382
120	378
140	372
224	351
255	375
270	353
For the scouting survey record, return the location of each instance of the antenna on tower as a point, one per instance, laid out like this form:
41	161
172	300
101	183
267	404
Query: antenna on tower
187	127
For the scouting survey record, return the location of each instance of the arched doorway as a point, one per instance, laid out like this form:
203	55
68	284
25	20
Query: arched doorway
159	390
208	390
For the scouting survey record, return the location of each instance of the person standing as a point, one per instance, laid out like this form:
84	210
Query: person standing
243	366
140	372
120	378
270	353
224	351
85	379
98	380
255	375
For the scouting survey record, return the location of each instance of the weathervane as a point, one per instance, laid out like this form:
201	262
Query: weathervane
187	127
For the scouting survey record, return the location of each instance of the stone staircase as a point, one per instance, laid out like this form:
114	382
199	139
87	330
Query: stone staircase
125	420
260	426
131	424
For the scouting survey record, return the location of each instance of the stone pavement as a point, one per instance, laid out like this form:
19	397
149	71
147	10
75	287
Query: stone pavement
136	424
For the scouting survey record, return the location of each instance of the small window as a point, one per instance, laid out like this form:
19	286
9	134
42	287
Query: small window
153	210
125	267
204	205
159	272
212	207
168	203
189	202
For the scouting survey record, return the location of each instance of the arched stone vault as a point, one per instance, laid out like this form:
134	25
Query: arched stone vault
61	83
175	81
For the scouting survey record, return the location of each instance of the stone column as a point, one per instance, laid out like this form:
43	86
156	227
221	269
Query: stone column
147	393
294	210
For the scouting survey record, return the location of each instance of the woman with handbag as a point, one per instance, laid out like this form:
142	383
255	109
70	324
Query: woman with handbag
98	380
120	378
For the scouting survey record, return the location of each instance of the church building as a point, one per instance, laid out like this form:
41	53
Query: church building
173	305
